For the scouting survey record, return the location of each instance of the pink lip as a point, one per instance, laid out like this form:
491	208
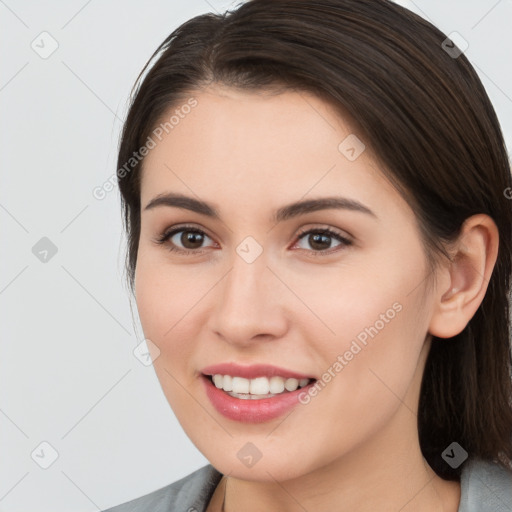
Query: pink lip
252	371
251	411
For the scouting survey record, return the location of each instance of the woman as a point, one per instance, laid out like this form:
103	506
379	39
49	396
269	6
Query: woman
319	244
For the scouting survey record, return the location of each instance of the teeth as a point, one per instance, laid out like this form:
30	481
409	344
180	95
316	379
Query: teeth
259	386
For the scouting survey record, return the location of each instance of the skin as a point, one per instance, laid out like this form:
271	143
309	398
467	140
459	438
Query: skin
355	445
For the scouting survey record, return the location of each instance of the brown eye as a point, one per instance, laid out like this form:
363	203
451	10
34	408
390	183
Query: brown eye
191	239
320	239
186	240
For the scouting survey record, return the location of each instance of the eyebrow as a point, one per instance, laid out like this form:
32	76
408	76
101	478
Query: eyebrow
289	211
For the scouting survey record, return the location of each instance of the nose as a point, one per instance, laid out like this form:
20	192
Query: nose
249	304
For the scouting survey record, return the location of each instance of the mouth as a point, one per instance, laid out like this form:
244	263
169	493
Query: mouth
240	404
258	388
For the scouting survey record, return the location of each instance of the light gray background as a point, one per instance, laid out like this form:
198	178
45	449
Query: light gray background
67	369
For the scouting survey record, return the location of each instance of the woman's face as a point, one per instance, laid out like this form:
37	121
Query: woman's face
351	312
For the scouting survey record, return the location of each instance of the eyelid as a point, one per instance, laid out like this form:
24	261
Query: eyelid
345	240
343	237
326	227
170	232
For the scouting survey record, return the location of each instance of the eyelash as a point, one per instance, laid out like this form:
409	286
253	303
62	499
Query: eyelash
162	239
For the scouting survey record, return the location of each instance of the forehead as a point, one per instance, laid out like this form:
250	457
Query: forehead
254	145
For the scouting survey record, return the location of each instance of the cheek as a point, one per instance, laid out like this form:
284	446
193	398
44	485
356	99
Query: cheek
376	325
162	304
170	301
364	383
166	296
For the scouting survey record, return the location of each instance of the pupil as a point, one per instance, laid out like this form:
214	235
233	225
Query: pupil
191	237
314	240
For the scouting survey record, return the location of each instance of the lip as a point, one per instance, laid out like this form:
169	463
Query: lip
253	371
252	411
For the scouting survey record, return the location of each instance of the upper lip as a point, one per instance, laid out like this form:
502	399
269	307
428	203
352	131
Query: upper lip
252	371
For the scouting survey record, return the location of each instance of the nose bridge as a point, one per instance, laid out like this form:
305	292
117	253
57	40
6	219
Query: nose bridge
244	288
246	304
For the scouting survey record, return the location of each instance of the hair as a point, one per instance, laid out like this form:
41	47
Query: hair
425	115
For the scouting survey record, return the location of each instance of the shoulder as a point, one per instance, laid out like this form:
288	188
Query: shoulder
486	486
190	494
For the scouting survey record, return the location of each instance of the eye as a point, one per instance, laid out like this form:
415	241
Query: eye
320	238
191	238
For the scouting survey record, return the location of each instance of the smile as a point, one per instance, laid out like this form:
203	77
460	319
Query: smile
258	388
253	408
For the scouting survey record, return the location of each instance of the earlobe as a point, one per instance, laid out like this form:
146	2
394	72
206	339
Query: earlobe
464	281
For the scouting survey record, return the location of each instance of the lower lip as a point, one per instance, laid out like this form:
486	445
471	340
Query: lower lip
252	411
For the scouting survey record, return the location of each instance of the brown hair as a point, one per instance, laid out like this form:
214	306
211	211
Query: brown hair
423	112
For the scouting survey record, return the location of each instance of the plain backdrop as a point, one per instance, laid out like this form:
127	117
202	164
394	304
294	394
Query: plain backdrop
73	396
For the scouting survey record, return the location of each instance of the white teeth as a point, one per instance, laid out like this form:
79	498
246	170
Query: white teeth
276	384
291	384
258	386
240	385
218	380
227	383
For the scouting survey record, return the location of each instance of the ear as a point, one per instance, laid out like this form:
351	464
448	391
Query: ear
462	284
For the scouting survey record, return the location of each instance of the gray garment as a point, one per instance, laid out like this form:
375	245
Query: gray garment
485	487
